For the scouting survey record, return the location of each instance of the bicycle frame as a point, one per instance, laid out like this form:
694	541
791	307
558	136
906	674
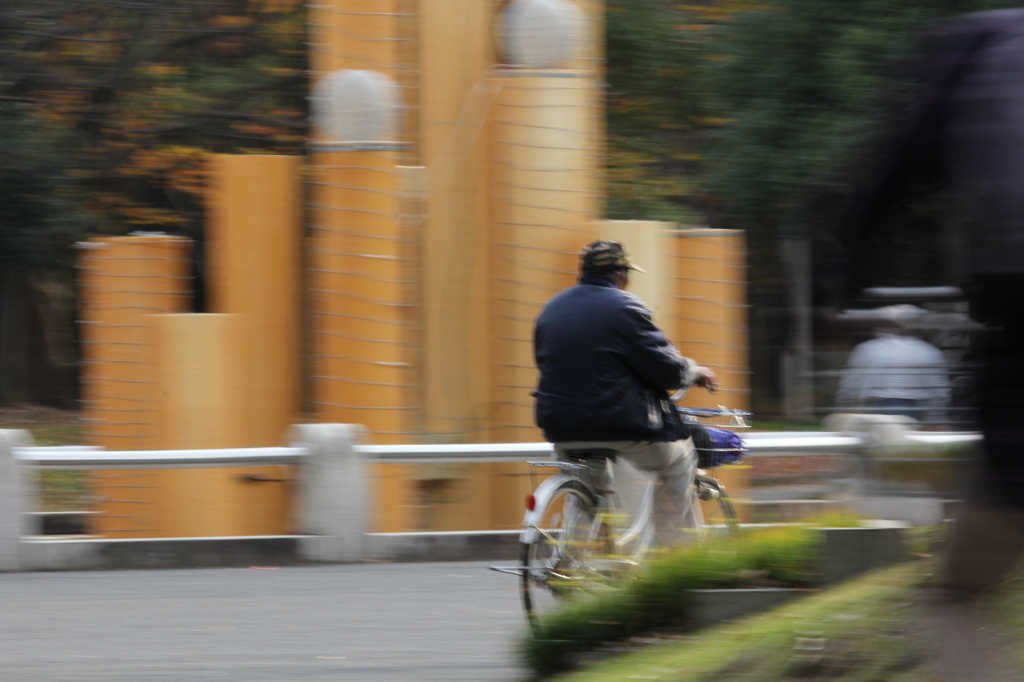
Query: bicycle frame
544	492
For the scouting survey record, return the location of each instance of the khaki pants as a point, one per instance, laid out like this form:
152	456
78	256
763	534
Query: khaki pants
676	507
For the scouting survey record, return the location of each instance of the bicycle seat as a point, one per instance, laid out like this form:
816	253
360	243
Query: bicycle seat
592	454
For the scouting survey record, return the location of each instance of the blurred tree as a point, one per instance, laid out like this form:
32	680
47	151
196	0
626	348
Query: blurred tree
39	219
765	116
811	88
658	110
151	87
110	110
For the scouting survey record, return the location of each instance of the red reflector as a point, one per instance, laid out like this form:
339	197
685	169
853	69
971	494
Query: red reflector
531	502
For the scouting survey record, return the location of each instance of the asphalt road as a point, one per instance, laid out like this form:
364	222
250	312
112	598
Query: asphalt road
366	622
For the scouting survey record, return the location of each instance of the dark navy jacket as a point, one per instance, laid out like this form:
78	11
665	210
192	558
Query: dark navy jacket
606	370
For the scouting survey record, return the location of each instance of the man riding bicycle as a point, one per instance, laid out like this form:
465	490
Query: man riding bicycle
606	372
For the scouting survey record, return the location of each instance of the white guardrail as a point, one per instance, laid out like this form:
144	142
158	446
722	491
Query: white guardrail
70	457
759	444
332	485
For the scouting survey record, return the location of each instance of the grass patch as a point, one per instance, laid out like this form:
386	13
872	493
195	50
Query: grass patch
862	630
759	424
658	597
64	491
48	425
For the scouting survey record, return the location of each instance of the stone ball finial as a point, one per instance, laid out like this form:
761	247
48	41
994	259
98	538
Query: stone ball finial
540	34
351	105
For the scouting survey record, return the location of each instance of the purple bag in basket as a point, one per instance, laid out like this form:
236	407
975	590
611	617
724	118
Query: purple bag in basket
719	447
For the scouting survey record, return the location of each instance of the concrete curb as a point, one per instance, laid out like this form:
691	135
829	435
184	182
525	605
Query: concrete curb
845	552
708	607
848	552
500	545
69	553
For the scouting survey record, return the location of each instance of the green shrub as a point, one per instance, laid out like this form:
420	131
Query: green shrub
657	598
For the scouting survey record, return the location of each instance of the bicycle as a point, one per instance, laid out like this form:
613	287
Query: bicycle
571	541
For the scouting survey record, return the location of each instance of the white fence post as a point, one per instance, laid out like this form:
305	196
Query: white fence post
334	492
14	493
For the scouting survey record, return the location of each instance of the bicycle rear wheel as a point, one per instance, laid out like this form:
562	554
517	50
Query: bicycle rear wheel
719	514
556	564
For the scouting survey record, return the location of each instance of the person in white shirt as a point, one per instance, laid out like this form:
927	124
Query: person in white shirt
897	373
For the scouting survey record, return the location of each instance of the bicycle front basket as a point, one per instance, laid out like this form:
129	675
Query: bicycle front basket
716	447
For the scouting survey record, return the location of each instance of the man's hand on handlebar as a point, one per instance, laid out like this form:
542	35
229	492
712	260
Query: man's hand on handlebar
707	379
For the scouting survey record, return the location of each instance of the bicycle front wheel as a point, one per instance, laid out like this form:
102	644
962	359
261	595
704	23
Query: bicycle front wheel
566	531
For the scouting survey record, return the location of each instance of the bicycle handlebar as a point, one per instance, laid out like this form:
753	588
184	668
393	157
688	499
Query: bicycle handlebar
735	418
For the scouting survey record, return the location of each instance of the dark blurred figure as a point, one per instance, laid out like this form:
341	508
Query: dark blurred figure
969	130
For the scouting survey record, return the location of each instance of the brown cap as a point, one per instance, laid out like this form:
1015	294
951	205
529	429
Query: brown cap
604	257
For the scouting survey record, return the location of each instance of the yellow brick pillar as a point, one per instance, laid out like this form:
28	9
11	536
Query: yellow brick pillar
362	272
544	202
360	297
455	102
123	281
201	405
254	236
451	122
361	302
253	242
708	322
547	186
544	206
356	34
199	375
